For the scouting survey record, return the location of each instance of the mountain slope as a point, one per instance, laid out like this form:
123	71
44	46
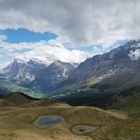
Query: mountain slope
22	72
99	79
119	60
99	92
51	76
128	101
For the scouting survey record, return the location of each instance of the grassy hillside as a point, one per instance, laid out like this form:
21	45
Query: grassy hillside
18	99
120	120
16	124
99	92
128	101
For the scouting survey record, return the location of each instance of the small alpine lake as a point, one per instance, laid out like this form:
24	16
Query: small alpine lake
45	121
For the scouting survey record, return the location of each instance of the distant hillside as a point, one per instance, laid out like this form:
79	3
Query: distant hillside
18	99
128	101
99	92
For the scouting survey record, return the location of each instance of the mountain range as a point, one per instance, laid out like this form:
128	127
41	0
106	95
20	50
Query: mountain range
103	78
35	74
106	74
116	61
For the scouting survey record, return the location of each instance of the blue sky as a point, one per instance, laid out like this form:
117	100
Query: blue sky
24	35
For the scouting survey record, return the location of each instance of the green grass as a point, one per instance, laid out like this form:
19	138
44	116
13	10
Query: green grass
129	102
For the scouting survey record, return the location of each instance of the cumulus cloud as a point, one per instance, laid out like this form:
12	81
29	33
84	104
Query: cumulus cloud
44	51
78	21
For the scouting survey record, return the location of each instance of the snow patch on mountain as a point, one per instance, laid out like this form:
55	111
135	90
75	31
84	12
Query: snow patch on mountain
134	55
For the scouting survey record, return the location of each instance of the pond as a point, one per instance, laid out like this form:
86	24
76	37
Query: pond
83	129
45	121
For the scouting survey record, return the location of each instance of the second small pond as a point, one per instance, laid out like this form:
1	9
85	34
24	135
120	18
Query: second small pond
83	129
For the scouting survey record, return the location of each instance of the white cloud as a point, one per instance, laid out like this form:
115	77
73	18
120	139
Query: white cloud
78	21
44	51
2	38
136	45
